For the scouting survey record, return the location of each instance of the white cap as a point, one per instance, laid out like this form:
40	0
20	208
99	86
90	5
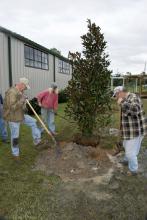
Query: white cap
25	81
118	89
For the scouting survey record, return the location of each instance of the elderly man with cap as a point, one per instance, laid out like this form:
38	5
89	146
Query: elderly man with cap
14	114
48	100
133	126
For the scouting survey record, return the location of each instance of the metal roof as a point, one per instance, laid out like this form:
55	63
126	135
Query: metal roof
30	42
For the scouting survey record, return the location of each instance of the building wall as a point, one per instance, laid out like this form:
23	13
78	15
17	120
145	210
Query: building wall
39	79
4	71
62	78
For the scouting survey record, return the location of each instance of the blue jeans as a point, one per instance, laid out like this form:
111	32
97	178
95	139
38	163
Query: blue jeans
14	129
132	148
3	130
48	117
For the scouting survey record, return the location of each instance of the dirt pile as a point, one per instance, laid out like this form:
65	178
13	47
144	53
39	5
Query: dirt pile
75	162
93	185
93	140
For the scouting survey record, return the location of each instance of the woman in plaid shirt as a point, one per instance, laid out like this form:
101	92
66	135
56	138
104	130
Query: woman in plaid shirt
133	126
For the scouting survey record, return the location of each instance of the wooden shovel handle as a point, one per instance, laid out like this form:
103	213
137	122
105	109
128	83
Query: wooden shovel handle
39	119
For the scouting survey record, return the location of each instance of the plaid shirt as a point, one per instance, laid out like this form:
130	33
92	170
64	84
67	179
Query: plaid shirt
133	120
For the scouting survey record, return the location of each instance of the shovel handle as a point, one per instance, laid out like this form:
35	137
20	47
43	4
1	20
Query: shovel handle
41	122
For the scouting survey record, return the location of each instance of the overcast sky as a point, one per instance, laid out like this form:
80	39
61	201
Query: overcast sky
60	23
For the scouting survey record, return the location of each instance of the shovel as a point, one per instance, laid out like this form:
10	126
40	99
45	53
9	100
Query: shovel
58	149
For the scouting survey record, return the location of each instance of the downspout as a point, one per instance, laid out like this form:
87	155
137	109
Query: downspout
54	71
9	61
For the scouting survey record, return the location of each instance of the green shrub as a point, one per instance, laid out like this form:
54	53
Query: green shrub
35	105
89	101
62	96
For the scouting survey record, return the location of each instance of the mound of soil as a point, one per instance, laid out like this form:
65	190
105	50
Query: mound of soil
94	185
93	140
76	161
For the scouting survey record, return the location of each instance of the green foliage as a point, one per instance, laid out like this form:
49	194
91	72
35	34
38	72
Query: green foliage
62	96
88	93
55	50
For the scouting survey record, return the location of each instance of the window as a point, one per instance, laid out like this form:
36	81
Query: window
35	58
63	67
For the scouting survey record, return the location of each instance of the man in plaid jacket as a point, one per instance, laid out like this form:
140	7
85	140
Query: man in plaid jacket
133	126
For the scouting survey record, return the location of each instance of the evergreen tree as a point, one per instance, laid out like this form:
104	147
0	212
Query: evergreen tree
88	90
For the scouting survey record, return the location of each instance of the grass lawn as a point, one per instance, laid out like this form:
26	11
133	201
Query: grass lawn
24	193
22	190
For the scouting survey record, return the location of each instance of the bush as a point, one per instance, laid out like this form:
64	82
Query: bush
89	101
62	96
35	105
